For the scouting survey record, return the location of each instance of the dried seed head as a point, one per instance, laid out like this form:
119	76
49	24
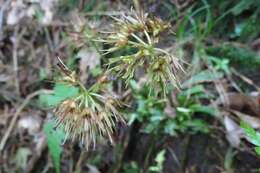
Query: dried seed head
90	115
156	26
142	33
87	123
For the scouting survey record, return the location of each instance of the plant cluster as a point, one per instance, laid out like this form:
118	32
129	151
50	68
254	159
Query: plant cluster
158	118
141	34
91	113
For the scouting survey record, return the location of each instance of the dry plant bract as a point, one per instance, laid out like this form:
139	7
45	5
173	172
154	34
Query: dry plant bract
88	116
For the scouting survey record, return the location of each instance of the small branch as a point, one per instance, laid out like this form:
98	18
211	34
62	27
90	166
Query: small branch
79	162
15	61
17	38
17	113
244	78
41	146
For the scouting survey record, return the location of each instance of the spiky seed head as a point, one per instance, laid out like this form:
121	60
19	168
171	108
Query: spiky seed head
141	32
88	123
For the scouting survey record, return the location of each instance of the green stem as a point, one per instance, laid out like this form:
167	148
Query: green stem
82	87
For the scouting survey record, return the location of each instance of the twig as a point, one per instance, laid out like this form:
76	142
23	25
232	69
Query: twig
15	58
4	7
175	158
42	145
79	162
244	78
48	38
106	13
15	61
185	158
120	155
17	113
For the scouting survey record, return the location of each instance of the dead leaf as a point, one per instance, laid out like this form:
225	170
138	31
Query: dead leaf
48	7
234	132
243	103
92	169
16	13
4	78
20	9
31	123
89	59
40	141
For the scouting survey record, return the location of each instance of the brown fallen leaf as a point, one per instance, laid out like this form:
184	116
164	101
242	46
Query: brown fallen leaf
234	131
243	103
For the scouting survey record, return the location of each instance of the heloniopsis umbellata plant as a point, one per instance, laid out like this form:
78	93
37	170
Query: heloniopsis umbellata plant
141	33
89	115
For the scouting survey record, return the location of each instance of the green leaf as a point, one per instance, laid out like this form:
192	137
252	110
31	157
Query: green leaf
22	156
242	6
54	140
154	168
61	92
39	14
170	128
65	90
251	133
160	158
43	74
183	110
131	167
132	118
257	150
220	64
203	109
197	125
96	71
134	85
193	90
203	76
151	127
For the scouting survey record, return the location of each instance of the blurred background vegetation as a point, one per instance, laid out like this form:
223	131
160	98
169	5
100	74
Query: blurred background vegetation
208	125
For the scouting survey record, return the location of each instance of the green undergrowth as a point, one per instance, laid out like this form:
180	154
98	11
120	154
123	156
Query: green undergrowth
159	118
238	56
